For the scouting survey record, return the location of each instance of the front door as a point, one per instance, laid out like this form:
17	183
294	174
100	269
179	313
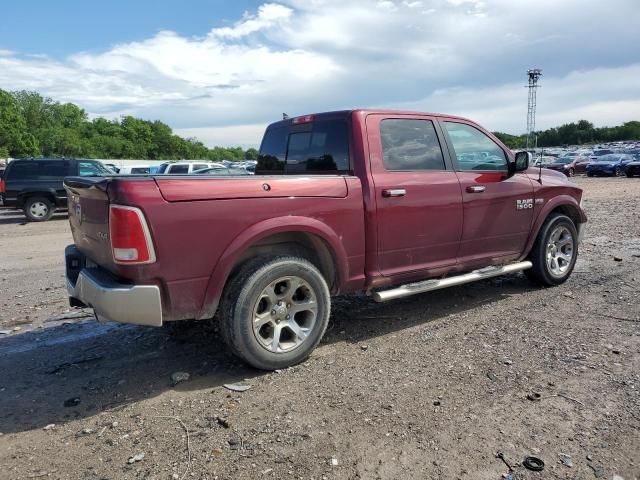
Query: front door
417	194
498	209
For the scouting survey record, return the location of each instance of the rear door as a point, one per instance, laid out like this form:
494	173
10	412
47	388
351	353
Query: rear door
417	193
498	209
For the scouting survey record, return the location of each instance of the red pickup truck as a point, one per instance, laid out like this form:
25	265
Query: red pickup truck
387	202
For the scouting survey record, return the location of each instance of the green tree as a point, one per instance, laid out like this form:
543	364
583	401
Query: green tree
14	137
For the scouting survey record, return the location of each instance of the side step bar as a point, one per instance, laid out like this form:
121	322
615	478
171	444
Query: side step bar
429	285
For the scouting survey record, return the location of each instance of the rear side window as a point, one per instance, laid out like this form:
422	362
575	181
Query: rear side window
409	144
178	169
38	169
316	147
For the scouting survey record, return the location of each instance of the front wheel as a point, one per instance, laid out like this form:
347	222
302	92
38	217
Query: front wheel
38	209
554	252
275	311
617	172
571	172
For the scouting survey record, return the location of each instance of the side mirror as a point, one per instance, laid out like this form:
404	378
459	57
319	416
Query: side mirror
521	163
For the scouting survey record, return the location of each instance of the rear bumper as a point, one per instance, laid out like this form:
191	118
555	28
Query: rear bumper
111	300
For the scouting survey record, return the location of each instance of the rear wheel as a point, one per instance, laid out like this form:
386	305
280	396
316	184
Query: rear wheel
629	174
571	173
275	311
38	209
589	174
617	172
554	252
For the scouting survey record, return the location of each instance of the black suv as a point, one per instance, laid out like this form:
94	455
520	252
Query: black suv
35	184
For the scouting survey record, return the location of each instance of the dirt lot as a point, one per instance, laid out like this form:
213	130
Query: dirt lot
427	387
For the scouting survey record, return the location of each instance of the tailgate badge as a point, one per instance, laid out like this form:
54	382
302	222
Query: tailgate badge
79	212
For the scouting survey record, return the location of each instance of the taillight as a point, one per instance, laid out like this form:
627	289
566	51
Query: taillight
2	186
130	237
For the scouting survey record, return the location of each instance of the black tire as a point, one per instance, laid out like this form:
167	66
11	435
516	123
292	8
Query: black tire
38	209
617	172
243	296
571	172
629	175
589	174
541	273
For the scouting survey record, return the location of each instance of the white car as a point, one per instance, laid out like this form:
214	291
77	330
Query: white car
179	168
135	170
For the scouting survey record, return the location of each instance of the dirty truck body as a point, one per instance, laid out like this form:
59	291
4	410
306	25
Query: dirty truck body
390	203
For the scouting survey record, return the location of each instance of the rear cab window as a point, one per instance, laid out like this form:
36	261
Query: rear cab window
315	147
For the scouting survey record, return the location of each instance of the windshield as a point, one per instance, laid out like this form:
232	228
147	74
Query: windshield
599	153
564	161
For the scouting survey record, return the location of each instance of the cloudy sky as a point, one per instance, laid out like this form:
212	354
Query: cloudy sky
221	70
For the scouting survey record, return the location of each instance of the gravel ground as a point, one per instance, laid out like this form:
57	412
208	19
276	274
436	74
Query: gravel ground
426	387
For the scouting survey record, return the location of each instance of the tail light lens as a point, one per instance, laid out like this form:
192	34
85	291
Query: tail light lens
2	186
130	238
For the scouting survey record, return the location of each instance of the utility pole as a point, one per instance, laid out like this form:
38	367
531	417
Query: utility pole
534	74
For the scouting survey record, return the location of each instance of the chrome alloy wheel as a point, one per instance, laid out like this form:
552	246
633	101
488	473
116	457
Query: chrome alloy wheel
39	209
559	251
284	314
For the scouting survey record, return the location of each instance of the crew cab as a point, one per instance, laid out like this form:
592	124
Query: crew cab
387	202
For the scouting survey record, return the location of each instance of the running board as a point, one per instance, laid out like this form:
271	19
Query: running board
429	285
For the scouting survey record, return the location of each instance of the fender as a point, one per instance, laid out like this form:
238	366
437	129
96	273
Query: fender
254	234
552	204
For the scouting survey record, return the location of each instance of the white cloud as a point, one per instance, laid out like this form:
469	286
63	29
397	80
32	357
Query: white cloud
269	15
299	56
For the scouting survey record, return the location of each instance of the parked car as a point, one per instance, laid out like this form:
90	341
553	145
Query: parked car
180	168
222	171
364	200
570	165
135	170
112	167
544	160
632	168
599	152
35	184
609	165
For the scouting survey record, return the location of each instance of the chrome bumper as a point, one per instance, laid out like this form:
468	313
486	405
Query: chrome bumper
111	300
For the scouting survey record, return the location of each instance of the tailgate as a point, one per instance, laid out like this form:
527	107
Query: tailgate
88	203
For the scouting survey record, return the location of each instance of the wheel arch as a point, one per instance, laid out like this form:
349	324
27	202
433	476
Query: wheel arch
24	195
305	237
563	204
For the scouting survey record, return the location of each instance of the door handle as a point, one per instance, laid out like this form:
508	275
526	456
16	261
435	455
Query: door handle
476	188
394	192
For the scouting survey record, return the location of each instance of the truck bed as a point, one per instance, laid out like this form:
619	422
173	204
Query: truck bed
199	225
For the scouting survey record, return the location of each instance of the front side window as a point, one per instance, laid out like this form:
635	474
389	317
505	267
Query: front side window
409	144
92	169
473	149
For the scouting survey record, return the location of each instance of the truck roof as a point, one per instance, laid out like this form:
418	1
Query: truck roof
345	113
